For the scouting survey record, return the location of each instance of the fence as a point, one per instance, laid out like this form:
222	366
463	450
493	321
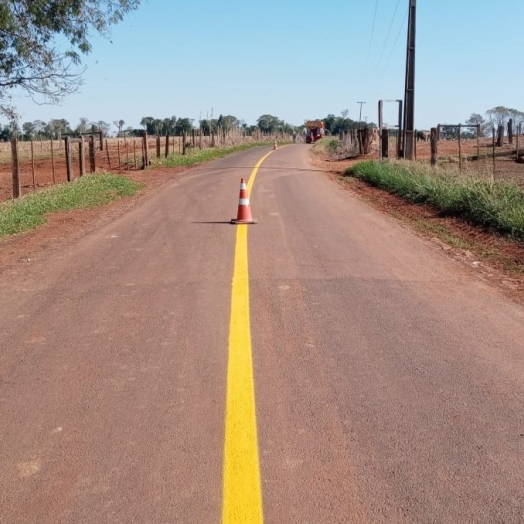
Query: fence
29	166
498	156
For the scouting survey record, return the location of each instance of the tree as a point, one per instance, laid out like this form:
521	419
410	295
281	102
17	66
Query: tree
169	125
476	119
208	126
498	116
30	56
120	125
56	128
39	126
183	125
83	125
130	131
28	131
102	126
146	122
516	116
227	123
268	123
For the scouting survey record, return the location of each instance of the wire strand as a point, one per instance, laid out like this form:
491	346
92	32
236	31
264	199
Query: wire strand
388	33
396	39
372	30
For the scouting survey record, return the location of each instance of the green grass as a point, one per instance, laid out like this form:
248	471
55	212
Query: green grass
498	206
197	156
326	145
29	211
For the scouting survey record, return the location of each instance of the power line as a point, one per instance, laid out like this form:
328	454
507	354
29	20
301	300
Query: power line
396	39
389	32
372	29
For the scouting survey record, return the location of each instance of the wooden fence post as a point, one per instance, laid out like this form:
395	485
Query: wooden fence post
101	141
134	151
145	155
510	131
33	164
17	188
127	154
460	146
494	158
183	142
92	154
167	145
384	143
53	161
434	145
158	146
108	157
82	155
500	136
193	139
118	151
69	163
478	141
519	130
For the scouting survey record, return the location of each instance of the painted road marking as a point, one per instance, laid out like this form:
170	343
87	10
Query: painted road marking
242	489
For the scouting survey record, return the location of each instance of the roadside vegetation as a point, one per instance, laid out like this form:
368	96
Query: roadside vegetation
497	206
197	156
29	211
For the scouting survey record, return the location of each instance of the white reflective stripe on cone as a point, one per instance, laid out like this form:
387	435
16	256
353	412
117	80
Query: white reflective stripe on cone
243	186
243	202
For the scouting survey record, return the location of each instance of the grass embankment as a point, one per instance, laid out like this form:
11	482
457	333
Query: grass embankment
29	211
197	156
327	145
496	206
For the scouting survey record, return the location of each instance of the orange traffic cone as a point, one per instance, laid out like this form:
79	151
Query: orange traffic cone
244	211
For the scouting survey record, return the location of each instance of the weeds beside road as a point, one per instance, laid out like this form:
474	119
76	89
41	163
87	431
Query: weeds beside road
29	211
498	206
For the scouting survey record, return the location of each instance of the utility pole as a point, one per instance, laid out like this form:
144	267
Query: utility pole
360	115
409	94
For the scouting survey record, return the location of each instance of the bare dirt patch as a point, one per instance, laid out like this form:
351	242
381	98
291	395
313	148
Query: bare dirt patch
17	251
495	259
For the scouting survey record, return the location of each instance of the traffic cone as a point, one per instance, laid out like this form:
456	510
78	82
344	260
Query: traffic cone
244	211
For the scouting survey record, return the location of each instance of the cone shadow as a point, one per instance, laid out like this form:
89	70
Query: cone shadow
212	222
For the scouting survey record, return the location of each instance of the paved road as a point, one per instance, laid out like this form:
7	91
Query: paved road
389	382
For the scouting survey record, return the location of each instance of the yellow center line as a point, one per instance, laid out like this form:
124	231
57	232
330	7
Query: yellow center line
242	489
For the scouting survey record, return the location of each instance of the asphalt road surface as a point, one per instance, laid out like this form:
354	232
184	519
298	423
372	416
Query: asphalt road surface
388	381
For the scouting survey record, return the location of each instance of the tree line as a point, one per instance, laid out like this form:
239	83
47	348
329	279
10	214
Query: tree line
172	126
492	119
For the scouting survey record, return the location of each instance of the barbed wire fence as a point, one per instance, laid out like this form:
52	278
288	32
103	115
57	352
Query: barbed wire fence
27	166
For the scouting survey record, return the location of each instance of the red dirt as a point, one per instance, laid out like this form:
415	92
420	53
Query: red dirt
61	228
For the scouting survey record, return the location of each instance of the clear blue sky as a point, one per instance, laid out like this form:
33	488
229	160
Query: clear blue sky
298	60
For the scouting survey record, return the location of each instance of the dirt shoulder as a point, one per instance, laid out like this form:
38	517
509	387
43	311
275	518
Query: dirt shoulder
17	251
495	259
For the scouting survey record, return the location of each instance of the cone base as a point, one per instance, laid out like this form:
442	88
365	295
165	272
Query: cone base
237	221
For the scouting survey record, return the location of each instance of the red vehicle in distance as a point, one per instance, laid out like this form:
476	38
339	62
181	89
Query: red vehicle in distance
314	131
